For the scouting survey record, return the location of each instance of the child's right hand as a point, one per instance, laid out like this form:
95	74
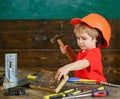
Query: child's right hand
64	49
69	52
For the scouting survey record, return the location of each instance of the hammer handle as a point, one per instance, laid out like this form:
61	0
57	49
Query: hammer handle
62	45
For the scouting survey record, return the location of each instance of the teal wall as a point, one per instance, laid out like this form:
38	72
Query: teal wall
57	9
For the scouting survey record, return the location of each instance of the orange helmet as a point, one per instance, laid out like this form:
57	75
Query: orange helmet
96	21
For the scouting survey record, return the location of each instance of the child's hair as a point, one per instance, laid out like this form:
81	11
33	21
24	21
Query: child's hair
92	32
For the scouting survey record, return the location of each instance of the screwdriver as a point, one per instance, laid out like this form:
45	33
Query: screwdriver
97	92
59	95
109	84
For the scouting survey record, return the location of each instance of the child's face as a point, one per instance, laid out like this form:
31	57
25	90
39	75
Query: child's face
84	41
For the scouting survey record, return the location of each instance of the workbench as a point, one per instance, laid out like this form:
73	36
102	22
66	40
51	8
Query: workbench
37	94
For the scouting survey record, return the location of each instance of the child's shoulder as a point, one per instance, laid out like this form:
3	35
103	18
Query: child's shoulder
94	52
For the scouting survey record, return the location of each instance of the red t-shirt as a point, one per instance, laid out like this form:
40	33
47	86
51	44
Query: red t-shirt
95	70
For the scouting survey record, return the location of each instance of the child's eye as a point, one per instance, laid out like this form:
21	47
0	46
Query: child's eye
84	38
77	37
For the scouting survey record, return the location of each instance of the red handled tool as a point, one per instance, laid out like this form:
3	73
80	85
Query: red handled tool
96	92
103	92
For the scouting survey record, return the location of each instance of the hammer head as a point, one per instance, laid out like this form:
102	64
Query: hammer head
56	37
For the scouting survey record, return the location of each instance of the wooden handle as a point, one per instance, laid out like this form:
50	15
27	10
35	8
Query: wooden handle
62	45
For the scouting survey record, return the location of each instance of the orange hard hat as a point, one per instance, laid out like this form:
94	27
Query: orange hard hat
96	21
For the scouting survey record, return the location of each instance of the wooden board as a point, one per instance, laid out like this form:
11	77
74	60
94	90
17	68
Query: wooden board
46	81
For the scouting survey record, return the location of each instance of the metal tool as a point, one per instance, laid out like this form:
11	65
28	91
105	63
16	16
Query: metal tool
74	93
109	84
97	92
59	41
11	67
17	91
22	82
59	95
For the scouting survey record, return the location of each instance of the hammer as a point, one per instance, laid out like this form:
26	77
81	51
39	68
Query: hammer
59	41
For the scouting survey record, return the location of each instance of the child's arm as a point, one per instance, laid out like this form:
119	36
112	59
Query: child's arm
69	52
77	65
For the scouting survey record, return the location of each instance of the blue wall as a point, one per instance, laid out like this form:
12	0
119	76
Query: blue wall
57	9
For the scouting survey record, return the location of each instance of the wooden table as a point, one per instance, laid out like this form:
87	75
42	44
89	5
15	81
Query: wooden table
37	94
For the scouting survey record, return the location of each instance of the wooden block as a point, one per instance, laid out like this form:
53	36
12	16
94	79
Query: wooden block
46	81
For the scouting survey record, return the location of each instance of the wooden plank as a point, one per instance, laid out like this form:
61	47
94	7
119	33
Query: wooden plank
21	33
54	58
34	25
46	81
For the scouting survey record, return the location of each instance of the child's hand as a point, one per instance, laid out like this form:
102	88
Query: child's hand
69	52
61	72
64	49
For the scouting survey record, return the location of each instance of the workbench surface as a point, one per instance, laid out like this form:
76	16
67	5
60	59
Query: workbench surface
37	94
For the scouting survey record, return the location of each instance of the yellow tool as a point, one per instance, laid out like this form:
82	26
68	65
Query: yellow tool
59	95
80	80
32	76
85	80
55	96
